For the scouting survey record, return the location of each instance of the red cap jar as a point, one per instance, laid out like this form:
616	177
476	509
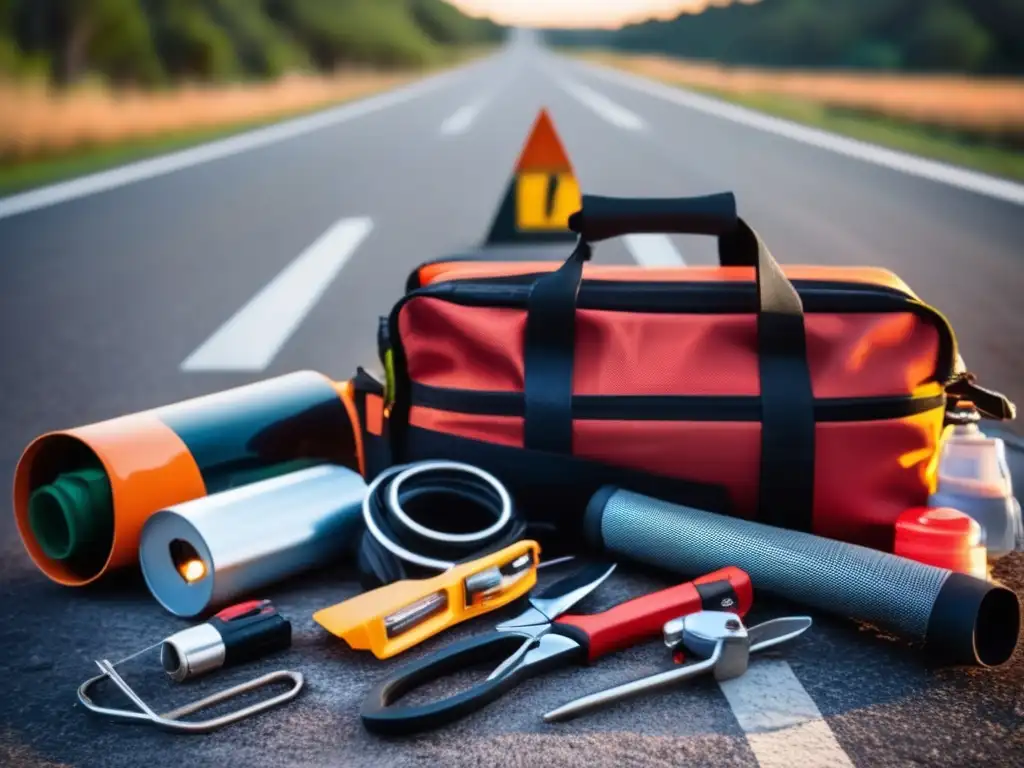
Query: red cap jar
943	537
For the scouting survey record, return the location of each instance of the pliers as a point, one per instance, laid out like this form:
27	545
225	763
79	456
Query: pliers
543	639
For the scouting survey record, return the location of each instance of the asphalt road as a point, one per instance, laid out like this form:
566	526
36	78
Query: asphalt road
105	296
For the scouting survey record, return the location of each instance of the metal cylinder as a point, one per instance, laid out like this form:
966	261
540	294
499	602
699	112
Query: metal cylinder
192	652
208	552
82	496
961	618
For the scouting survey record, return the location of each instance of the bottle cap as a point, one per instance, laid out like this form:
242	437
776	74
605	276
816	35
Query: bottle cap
964	412
943	537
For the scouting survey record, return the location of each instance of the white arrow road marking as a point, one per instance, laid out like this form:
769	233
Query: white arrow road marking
250	340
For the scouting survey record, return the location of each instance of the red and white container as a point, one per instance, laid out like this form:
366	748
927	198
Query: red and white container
943	537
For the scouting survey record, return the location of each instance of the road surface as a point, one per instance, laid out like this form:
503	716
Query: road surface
278	252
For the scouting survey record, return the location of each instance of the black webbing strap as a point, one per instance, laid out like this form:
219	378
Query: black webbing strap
548	353
786	488
786	496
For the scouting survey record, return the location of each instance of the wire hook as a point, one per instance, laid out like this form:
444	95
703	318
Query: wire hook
172	720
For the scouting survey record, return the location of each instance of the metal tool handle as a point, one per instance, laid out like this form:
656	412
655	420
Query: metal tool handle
633	688
380	717
642	618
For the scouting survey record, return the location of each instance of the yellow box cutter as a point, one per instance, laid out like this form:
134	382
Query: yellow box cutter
394	618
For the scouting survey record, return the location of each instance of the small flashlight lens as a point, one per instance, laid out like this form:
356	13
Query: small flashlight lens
187	561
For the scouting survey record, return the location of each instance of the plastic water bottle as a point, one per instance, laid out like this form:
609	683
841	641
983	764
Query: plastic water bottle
974	477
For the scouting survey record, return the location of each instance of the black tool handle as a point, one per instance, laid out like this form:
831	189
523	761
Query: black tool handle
380	717
251	631
602	218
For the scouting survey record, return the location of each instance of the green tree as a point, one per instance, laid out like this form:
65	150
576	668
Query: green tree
263	48
954	35
149	41
445	24
190	43
75	36
1004	20
948	37
120	43
343	32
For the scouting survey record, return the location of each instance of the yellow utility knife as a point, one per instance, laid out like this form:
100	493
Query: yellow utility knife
391	619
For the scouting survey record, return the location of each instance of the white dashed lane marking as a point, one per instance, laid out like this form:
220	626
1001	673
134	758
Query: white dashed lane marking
605	108
254	335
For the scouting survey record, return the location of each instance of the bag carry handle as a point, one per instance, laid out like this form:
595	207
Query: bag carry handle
787	399
602	218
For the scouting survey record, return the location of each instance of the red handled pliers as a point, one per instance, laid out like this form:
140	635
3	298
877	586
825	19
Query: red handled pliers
542	639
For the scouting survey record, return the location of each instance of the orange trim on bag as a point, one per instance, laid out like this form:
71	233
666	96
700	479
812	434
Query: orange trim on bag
375	415
346	391
466	270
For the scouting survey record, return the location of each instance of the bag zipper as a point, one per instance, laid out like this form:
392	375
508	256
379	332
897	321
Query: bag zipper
676	298
672	407
818	296
679	298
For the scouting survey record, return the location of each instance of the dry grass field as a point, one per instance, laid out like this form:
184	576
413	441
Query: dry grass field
977	105
35	121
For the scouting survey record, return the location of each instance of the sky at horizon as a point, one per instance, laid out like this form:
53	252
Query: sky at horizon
578	13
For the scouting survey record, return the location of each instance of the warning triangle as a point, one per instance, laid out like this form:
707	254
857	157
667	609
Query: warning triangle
543	150
542	194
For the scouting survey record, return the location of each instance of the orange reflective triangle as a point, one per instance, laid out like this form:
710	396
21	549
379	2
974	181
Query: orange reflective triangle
542	193
543	150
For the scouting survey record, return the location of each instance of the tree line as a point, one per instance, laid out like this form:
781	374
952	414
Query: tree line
154	42
970	36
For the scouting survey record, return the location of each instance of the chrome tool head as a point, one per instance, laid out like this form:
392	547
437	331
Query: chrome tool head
720	643
551	602
708	633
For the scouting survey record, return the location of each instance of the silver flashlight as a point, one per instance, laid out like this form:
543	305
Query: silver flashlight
206	553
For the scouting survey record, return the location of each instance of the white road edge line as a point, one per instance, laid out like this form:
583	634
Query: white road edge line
781	720
254	335
104	181
933	170
462	119
776	713
605	108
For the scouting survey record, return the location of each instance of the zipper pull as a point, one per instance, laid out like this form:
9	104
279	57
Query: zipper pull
991	404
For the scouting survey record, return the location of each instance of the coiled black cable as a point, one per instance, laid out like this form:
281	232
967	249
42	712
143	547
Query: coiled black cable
419	520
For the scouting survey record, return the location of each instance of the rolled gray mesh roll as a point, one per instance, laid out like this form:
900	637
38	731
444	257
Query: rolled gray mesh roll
965	619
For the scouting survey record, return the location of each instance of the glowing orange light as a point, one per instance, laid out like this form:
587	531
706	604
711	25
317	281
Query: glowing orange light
193	570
